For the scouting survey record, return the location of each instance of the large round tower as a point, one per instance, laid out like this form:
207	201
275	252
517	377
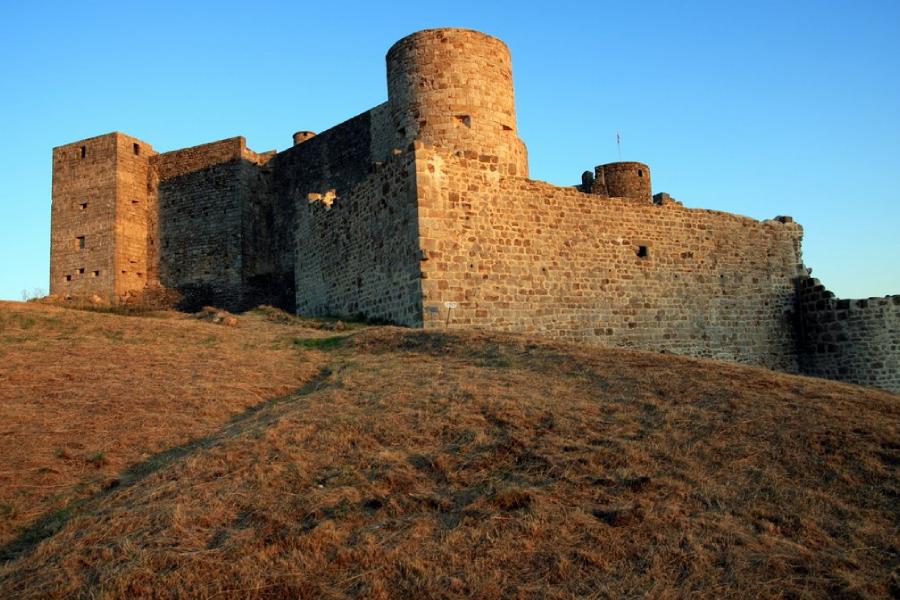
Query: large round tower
453	89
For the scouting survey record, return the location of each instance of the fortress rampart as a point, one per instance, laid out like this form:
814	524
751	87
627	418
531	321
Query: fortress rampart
857	341
527	256
420	212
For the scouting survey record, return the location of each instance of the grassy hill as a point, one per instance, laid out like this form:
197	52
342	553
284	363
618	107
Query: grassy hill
169	456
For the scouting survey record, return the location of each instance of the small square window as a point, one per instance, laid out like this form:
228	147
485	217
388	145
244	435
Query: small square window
95	273
643	252
83	206
81	271
79	242
68	278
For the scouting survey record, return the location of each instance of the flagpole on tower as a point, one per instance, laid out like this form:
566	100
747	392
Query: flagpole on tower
619	144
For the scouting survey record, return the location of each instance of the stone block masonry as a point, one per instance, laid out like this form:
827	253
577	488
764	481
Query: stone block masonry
99	217
453	89
425	200
526	256
857	341
201	202
358	254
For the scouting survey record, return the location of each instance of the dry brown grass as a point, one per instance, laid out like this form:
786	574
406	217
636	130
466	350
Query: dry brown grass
85	395
425	465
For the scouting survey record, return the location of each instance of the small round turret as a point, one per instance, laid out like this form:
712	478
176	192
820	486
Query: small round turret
302	136
453	89
623	180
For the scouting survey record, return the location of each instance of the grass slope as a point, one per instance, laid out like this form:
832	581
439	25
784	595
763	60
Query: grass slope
428	465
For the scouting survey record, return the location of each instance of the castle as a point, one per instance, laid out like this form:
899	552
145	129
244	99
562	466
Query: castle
420	212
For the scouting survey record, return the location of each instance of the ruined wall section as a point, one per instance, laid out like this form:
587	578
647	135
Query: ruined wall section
358	251
200	196
526	256
857	341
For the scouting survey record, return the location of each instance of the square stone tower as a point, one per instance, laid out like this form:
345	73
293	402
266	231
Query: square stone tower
102	218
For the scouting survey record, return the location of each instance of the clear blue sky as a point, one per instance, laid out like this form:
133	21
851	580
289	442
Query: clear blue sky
758	108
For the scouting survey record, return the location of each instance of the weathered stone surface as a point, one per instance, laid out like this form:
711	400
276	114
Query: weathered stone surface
527	256
857	341
453	89
99	217
622	180
358	253
424	202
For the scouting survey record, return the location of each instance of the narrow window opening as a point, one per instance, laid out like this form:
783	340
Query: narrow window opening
137	149
83	151
81	271
140	274
465	120
79	242
642	252
83	206
95	273
68	278
507	128
135	202
640	172
401	132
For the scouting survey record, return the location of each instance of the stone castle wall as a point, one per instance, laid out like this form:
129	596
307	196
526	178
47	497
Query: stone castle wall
424	200
526	256
216	222
325	165
857	341
200	220
358	252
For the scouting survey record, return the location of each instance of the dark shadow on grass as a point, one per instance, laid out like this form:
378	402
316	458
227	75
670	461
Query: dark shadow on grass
503	354
326	344
49	524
